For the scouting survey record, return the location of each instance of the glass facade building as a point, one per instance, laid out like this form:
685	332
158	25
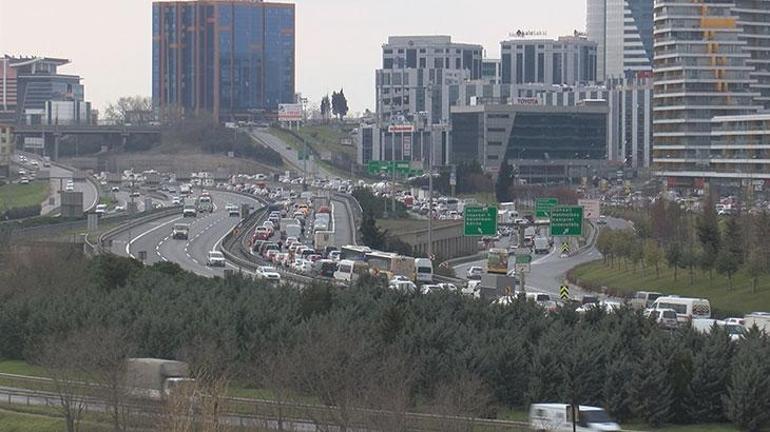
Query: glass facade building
623	31
235	59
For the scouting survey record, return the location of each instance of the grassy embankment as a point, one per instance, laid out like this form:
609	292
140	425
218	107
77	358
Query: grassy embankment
622	279
19	195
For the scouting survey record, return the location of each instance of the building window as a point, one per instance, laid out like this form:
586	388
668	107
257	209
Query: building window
496	129
495	143
493	157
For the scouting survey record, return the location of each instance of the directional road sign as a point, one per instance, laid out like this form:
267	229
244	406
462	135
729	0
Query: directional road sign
564	292
591	208
543	207
480	221
523	259
567	221
565	247
386	167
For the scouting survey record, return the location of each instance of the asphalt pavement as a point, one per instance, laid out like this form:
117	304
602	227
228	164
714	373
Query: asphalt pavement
548	271
207	231
288	153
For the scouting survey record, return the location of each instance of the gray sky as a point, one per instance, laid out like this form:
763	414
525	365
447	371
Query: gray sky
338	41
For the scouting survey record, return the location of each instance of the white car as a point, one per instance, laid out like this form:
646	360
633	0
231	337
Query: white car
216	259
268	273
101	209
176	200
119	208
472	289
474	272
232	210
402	286
116	189
69	188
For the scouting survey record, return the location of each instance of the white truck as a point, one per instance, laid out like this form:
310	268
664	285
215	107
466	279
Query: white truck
542	245
156	379
558	417
293	230
322	239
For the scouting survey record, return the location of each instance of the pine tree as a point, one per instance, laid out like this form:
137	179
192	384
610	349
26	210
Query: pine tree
674	256
504	182
748	393
544	380
708	235
709	382
617	396
651	389
370	234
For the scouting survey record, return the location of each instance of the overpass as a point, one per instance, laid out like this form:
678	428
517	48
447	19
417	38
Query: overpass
58	131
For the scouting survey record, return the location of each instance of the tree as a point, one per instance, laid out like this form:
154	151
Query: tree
604	244
727	264
464	396
371	235
732	240
326	108
748	392
755	267
106	366
707	229
130	109
504	181
617	396
653	255
709	382
339	104
651	389
674	256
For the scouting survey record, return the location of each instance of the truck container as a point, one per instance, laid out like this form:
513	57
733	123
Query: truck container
542	245
156	379
322	239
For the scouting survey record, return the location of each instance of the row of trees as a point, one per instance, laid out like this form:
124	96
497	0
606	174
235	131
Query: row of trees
685	240
374	207
369	347
337	106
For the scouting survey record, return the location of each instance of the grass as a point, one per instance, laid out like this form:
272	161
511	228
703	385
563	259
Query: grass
33	419
715	427
19	195
623	279
18	367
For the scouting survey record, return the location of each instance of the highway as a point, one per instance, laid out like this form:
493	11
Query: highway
548	271
59	176
288	153
206	234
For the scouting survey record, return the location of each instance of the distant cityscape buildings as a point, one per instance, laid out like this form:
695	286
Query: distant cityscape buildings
567	60
235	59
32	91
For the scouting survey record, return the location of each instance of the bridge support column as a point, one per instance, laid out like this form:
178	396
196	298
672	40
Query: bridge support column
56	142
123	142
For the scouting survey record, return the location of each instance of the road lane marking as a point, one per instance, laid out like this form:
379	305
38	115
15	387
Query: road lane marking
128	245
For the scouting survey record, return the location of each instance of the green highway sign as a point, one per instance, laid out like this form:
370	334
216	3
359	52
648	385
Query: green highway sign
566	221
543	207
387	167
523	259
480	221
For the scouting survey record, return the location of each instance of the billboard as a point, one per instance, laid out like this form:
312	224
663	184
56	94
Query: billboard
289	112
33	143
591	208
401	128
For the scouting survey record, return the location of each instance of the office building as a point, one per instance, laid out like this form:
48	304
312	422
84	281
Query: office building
701	72
568	60
545	143
30	86
413	70
233	58
623	32
491	71
415	141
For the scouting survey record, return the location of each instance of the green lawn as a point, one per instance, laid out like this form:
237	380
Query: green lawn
18	367
15	418
19	195
739	300
690	428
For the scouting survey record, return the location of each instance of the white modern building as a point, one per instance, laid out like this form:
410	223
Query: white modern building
568	60
623	32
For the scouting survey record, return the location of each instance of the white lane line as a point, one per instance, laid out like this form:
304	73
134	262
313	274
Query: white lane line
128	245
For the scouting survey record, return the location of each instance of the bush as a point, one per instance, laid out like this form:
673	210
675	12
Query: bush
21	212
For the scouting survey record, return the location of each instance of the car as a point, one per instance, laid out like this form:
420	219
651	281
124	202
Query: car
429	288
101	209
120	208
116	189
215	259
267	273
474	272
24	180
334	255
404	286
735	321
189	210
180	231
602	220
176	200
232	210
69	188
665	318
135	194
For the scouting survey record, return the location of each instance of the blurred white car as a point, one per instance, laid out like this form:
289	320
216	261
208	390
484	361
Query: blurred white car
215	259
268	273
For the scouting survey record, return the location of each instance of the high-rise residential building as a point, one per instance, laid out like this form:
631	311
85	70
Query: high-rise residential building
233	58
701	71
754	21
33	91
568	60
623	32
413	70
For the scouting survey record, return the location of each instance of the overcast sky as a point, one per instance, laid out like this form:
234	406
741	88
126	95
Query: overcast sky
338	41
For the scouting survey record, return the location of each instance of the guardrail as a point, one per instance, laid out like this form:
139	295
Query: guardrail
148	217
258	413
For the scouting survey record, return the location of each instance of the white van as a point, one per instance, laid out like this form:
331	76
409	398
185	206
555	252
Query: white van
558	417
760	319
686	308
424	270
349	270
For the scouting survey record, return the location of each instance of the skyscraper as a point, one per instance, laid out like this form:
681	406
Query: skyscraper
754	20
622	30
233	58
701	71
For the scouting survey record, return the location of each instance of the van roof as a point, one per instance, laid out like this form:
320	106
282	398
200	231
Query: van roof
564	406
677	298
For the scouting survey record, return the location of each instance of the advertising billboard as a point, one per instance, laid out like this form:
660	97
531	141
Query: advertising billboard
289	112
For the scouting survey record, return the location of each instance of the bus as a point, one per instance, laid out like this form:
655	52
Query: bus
391	264
354	253
497	261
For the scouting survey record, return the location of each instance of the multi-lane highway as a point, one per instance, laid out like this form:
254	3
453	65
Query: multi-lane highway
288	153
59	176
206	233
548	271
